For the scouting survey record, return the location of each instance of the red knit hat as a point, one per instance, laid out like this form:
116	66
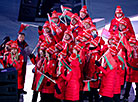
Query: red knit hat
118	10
72	57
132	39
87	35
78	47
88	20
75	16
79	38
123	22
9	42
84	9
94	42
15	45
59	45
51	50
115	40
69	32
46	25
43	46
54	14
113	49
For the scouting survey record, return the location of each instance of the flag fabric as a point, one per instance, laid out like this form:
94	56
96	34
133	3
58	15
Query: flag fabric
68	14
23	27
126	44
110	60
63	61
86	86
65	8
105	33
121	57
39	80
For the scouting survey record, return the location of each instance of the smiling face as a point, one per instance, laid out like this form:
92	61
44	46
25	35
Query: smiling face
67	36
82	15
118	15
46	29
21	38
87	25
73	21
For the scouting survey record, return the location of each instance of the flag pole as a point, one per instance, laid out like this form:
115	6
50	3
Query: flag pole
64	16
47	77
31	25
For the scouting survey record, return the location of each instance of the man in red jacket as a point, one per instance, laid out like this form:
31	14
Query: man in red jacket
25	51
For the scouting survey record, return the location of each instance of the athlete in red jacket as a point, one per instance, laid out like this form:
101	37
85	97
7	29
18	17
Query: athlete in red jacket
16	60
119	15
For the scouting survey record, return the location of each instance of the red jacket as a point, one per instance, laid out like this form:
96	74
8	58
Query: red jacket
60	81
132	69
110	83
50	67
92	68
72	86
18	65
38	66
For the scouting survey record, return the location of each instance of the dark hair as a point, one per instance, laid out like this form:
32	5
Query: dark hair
21	34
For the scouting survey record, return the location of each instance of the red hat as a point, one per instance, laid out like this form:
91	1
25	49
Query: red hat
51	50
113	49
132	39
72	57
54	14
88	20
59	45
115	40
69	32
79	38
94	42
87	35
43	46
9	42
46	24
75	16
110	38
78	47
118	10
123	22
15	45
84	9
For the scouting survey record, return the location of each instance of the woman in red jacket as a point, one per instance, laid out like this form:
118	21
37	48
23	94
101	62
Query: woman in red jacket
72	80
47	92
38	64
16	60
110	85
132	69
93	70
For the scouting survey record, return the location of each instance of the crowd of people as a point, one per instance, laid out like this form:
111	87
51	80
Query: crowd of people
73	58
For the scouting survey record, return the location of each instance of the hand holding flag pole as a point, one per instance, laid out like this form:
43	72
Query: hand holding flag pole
56	86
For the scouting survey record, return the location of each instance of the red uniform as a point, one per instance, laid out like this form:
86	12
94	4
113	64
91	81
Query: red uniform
92	68
132	69
50	67
72	87
60	81
17	63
